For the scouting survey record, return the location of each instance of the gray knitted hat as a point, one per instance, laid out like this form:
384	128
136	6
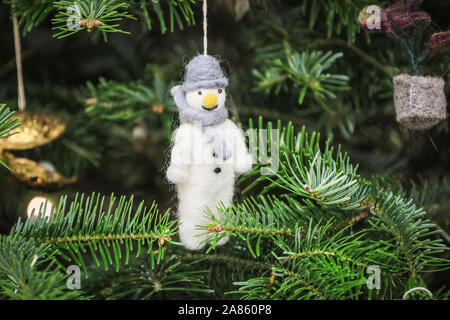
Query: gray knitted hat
204	71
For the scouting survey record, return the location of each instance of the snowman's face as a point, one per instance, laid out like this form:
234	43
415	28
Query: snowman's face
206	98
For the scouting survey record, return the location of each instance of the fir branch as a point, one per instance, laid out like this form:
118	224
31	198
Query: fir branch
307	72
112	231
311	177
325	176
141	280
74	16
28	272
230	261
114	101
405	223
305	284
256	231
180	12
387	70
31	13
320	181
318	246
7	125
334	16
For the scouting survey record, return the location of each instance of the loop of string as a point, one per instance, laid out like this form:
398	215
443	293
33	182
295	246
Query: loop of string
415	289
205	27
18	52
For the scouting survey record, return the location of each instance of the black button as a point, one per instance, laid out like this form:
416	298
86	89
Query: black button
217	170
215	155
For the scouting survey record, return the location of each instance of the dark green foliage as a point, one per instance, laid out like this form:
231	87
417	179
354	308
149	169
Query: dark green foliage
302	238
334	15
180	13
74	16
307	229
307	72
109	232
27	272
141	280
69	14
123	102
7	124
330	190
30	12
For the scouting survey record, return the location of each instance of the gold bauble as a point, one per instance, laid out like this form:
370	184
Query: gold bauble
36	129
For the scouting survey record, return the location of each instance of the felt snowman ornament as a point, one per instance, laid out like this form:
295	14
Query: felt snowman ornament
208	152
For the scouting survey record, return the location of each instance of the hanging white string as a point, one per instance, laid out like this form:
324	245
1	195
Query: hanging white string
415	289
205	27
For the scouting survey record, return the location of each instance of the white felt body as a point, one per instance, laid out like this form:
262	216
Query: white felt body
192	170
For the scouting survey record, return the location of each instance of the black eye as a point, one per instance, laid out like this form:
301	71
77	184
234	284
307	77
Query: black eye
220	90
199	93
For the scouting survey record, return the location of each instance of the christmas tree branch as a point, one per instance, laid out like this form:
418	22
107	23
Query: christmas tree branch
88	226
28	272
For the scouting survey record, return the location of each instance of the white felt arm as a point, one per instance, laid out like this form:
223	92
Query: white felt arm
181	155
243	159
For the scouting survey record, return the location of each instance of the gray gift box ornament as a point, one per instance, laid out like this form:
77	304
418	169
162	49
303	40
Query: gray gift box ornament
419	101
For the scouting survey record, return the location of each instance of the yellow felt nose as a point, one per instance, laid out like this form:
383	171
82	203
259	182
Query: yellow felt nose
210	100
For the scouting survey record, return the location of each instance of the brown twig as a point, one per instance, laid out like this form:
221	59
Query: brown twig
18	52
390	71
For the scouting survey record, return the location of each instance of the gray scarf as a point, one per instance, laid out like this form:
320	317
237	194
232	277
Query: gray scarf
207	118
